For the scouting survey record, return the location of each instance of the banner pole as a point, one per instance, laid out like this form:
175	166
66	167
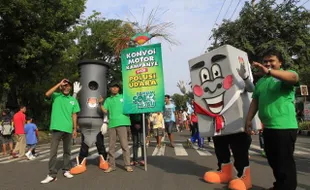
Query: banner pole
144	142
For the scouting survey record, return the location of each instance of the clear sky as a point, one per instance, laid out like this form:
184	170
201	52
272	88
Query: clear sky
193	21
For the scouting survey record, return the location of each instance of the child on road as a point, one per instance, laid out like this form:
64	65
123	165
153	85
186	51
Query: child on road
31	131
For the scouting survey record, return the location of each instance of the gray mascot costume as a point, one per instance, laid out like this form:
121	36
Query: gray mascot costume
90	119
221	84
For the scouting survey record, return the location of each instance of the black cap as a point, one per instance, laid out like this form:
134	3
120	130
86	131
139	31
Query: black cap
115	84
68	81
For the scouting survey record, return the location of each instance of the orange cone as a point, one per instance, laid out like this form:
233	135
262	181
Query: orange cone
102	163
223	176
242	183
79	168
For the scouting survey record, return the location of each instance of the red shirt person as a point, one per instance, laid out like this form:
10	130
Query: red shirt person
19	120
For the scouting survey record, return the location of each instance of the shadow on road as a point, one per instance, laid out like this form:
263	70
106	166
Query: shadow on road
176	166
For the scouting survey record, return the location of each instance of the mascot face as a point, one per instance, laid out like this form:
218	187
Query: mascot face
212	82
222	104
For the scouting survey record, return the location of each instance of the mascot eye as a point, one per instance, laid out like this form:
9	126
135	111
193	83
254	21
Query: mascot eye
204	75
216	71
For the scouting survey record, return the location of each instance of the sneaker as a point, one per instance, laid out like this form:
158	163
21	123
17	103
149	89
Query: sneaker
48	179
29	156
68	175
32	157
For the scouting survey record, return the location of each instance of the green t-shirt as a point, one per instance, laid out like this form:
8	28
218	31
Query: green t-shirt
114	105
276	107
62	110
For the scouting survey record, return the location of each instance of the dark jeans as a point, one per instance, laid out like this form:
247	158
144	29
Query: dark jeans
99	144
66	138
239	144
279	148
137	139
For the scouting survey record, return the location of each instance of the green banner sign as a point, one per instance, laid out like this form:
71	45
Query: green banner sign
143	79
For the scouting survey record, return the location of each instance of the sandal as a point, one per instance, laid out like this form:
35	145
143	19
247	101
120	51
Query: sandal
110	169
129	169
133	163
142	163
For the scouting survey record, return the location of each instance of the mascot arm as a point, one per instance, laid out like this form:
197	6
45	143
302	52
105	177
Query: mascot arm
249	86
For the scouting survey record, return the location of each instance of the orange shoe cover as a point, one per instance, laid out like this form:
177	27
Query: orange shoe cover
103	164
79	168
242	183
223	176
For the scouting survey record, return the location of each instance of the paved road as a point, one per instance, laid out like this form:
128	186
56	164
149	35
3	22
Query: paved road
179	168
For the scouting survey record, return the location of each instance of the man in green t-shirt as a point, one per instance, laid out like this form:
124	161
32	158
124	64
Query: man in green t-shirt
273	98
63	124
118	123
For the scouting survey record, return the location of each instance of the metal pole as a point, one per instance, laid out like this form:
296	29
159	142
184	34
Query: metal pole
144	142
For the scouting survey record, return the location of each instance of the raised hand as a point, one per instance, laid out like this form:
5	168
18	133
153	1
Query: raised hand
63	82
262	70
182	87
242	71
76	87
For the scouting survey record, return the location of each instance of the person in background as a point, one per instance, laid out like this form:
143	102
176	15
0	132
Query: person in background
195	134
180	120
169	118
157	120
31	138
19	120
185	119
6	125
136	129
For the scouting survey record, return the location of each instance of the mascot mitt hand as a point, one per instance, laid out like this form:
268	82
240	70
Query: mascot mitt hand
104	128
182	87
76	87
242	72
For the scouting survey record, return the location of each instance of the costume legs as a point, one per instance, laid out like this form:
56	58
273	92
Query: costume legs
239	144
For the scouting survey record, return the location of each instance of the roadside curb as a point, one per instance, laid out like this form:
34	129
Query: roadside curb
304	132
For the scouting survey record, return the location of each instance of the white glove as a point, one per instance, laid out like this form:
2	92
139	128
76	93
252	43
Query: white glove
242	72
76	87
181	86
104	128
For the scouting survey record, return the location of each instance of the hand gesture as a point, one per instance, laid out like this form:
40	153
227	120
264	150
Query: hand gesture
242	71
262	70
63	82
101	99
181	86
76	87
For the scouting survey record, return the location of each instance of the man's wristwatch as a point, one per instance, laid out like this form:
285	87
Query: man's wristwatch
269	70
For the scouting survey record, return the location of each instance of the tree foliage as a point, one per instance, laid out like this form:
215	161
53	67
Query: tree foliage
179	101
34	40
283	26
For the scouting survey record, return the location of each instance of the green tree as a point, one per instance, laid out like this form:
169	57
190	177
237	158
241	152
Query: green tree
179	101
283	26
34	37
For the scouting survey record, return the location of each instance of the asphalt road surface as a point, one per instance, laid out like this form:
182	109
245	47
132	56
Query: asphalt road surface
169	168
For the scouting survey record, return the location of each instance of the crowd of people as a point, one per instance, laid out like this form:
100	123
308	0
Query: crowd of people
21	129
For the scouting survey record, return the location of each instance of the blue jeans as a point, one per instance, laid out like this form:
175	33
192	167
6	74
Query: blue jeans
195	134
